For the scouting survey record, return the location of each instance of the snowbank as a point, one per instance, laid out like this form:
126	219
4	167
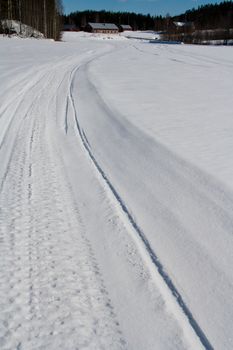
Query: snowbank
22	30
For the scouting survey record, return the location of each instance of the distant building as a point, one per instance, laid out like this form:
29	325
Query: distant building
183	26
124	27
105	28
70	28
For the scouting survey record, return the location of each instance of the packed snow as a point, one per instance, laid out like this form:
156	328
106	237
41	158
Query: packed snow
116	194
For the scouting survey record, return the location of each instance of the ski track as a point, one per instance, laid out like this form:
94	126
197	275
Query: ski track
181	56
209	191
52	292
143	244
55	296
52	295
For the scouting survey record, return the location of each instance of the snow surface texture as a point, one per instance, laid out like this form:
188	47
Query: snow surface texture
115	195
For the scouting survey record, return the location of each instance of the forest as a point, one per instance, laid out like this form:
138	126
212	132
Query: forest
137	21
43	15
46	17
210	16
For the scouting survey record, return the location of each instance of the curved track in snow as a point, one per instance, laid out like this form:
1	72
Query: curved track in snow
176	208
155	266
93	253
52	292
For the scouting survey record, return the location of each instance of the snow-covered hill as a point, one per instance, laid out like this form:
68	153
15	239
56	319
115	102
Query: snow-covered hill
116	195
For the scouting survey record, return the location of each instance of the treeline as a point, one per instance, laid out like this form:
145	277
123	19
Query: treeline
46	17
43	15
204	17
212	16
207	24
137	21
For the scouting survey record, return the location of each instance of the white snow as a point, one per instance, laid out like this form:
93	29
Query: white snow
116	194
76	37
20	29
140	34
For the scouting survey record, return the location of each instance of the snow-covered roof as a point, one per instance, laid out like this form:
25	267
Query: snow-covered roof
183	24
179	24
125	26
105	26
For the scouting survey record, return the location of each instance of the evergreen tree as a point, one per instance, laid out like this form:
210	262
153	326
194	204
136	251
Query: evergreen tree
210	16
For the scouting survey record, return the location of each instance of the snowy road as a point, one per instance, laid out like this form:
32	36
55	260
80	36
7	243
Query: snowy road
113	235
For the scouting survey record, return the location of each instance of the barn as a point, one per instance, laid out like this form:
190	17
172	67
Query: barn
70	28
105	28
125	27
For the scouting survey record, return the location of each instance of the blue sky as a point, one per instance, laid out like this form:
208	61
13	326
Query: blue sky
142	6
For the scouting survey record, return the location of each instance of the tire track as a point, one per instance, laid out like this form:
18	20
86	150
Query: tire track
160	276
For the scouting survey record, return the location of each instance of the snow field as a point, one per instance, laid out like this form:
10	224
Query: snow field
115	215
177	200
52	292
